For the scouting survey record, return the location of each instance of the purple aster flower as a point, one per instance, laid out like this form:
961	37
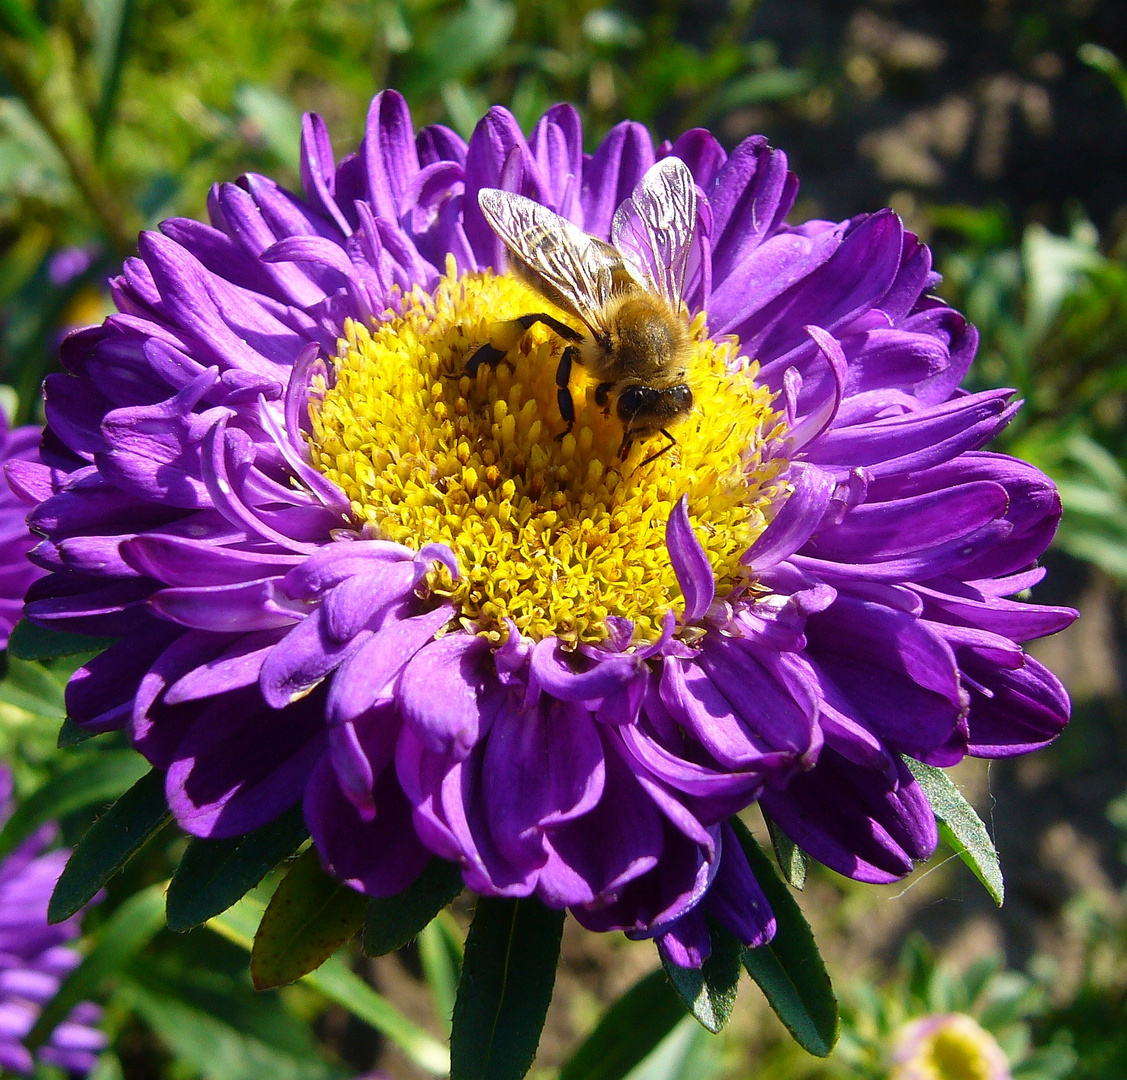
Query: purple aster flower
36	957
16	571
344	572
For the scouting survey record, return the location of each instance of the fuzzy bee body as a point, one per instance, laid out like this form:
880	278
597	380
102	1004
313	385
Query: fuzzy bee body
627	294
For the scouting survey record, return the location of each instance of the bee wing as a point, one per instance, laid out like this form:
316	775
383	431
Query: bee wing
577	272
653	229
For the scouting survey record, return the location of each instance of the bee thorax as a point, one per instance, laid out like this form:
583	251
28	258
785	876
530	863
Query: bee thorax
645	338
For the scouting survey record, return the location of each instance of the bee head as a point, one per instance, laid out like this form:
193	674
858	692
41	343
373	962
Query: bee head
647	408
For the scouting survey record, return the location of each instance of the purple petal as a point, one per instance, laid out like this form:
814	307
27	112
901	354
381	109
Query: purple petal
542	767
378	857
690	563
449	693
736	900
241	764
858	822
614	170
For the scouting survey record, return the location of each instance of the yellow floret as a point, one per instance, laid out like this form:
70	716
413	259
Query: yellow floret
554	535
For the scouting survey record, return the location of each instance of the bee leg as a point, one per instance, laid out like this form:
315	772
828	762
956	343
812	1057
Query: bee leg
665	449
505	336
563	394
601	392
568	333
487	354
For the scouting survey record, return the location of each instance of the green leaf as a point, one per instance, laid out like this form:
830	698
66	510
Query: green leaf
789	969
109	844
1107	63
108	1067
275	120
33	689
31	642
461	43
113	23
440	954
70	734
214	874
392	921
790	857
507	979
309	917
758	87
127	931
219	1027
960	827
337	982
629	1031
19	20
89	780
709	992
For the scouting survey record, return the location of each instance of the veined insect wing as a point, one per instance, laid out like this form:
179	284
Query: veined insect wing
653	229
576	271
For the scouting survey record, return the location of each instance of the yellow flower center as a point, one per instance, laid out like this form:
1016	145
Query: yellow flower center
958	1050
554	534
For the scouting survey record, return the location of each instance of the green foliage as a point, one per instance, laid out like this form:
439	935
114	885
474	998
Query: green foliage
214	874
960	827
109	844
131	927
339	984
83	780
1004	1003
392	921
1053	317
789	969
507	978
309	917
631	1029
710	992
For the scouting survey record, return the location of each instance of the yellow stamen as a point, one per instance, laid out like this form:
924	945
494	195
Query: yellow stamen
555	535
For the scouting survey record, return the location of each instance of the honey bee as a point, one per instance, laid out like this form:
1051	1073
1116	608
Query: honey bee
626	293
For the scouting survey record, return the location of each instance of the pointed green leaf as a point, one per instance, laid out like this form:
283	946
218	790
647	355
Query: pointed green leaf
508	974
790	857
341	985
214	874
109	844
960	827
709	992
71	734
631	1028
308	918
127	931
392	921
31	642
87	781
789	969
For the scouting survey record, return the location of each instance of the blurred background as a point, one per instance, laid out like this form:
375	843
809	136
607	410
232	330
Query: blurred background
996	128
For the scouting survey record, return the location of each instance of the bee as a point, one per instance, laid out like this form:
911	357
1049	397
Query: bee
626	293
